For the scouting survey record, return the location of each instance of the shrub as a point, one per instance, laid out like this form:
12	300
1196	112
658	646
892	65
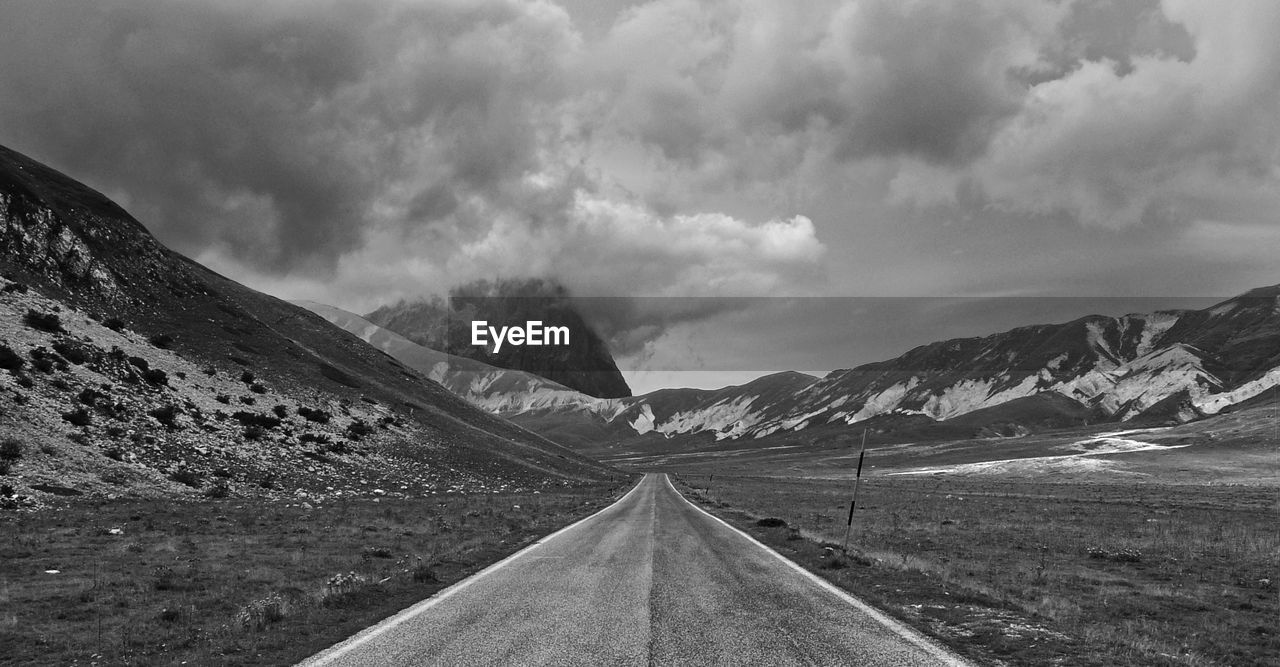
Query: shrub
155	377
162	341
72	351
312	437
422	573
358	429
253	419
47	322
225	399
246	377
248	400
260	613
41	363
26	382
219	490
187	477
339	447
114	453
114	323
88	396
166	415
77	417
341	588
771	522
280	411
253	432
257	388
10	360
369	553
139	363
10	449
311	415
15	288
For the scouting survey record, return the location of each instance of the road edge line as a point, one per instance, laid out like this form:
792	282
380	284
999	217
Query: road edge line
345	646
910	634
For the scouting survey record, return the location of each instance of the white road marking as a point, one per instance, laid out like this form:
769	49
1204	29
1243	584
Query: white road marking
880	617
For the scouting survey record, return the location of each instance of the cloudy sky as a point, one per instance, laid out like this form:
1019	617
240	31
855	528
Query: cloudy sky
360	152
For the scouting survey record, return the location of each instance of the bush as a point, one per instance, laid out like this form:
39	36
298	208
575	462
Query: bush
423	574
771	522
89	396
317	416
155	377
47	322
10	360
257	388
187	477
311	437
114	323
358	429
72	351
15	288
162	341
280	411
10	449
77	417
253	419
260	613
246	377
139	363
224	399
217	491
253	432
166	415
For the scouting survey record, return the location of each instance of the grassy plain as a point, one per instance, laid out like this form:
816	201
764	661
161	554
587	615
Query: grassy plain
242	582
1026	573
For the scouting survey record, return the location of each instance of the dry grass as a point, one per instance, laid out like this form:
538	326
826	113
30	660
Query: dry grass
244	583
1043	573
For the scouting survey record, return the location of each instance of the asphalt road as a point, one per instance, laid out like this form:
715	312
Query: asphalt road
650	580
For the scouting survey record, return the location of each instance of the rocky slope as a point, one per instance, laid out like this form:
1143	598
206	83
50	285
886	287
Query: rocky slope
584	365
126	368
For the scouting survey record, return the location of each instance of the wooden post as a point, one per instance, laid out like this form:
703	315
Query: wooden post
857	481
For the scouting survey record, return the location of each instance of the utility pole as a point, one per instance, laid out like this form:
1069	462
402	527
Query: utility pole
857	481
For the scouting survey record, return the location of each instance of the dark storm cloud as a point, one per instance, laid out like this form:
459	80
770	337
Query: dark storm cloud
277	128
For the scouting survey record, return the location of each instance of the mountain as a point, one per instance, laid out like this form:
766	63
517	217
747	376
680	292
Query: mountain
585	364
1167	366
128	368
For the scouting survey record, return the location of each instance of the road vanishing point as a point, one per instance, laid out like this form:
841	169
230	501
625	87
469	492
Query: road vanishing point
649	580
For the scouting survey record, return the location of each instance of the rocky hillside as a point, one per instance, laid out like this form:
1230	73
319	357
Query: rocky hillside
126	368
1164	367
585	365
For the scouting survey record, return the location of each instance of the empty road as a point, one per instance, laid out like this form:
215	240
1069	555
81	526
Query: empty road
650	580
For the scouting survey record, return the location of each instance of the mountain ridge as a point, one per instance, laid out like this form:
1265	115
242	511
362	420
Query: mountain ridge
1160	366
